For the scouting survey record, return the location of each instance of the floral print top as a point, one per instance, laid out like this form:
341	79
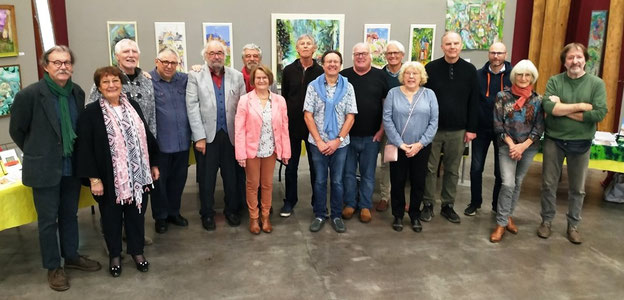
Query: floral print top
266	147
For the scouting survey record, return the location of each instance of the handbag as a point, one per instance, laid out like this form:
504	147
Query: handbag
391	152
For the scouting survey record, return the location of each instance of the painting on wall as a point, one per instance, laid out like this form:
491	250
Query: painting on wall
377	36
595	43
421	46
8	32
172	35
479	22
10	84
117	31
327	30
221	32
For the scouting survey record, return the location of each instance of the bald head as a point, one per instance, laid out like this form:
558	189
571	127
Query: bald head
496	56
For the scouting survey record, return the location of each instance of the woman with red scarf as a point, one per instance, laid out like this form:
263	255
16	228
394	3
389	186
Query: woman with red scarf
519	124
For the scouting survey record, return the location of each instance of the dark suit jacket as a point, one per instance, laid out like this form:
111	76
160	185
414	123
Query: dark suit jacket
93	157
35	128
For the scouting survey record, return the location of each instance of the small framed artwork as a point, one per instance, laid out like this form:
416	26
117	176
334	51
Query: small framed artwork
8	31
377	36
117	31
10	84
422	38
221	32
172	35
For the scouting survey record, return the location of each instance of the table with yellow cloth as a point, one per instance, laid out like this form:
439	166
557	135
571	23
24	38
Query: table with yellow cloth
601	157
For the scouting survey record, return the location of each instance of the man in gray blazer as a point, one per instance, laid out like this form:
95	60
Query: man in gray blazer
43	125
212	96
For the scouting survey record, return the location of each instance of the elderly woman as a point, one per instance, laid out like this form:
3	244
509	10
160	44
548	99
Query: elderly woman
261	137
410	119
519	123
117	153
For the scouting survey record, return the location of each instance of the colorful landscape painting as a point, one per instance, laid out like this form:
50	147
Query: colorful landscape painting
422	39
595	43
479	22
377	36
117	31
172	35
10	84
8	32
221	32
327	30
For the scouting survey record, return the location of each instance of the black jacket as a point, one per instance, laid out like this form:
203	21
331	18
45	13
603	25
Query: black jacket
294	85
488	93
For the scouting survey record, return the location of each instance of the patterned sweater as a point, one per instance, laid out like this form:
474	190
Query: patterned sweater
526	123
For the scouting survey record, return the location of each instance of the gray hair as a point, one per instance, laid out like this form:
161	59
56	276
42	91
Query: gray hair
167	49
361	44
524	66
125	43
396	44
251	46
414	65
44	60
306	36
211	42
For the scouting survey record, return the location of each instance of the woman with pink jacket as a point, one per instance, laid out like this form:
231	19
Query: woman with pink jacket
261	137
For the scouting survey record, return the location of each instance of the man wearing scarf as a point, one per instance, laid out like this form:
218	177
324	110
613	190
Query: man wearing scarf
43	126
329	112
252	57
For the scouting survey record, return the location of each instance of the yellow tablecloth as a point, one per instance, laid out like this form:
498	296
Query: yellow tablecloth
17	207
602	164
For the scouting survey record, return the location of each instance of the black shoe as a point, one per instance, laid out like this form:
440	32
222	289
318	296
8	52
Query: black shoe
141	265
471	210
397	225
448	212
115	270
233	220
427	213
160	226
209	223
178	220
416	226
286	210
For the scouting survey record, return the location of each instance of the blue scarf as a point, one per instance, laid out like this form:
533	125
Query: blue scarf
330	123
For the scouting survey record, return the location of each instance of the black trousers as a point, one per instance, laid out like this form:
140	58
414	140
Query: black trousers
292	168
219	156
414	168
113	215
167	195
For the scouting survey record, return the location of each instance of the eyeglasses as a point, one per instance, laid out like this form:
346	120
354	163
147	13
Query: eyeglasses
361	54
168	63
497	53
58	63
393	53
219	53
252	55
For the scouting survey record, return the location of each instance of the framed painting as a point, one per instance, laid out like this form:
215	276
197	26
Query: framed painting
8	31
172	35
10	84
479	22
377	36
117	31
327	30
595	43
221	32
422	41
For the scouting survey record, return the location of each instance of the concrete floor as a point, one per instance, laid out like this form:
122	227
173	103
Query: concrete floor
369	261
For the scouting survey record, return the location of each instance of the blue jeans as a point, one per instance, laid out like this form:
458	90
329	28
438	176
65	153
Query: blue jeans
321	163
362	151
512	173
480	147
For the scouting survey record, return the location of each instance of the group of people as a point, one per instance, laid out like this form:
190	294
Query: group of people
134	135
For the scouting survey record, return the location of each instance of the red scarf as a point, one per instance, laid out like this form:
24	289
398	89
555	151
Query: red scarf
246	75
524	94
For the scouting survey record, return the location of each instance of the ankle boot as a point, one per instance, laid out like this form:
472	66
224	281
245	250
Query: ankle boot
254	226
497	234
511	226
266	224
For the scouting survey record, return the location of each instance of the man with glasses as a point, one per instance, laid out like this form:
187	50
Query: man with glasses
252	57
212	96
174	136
371	87
43	126
454	82
493	78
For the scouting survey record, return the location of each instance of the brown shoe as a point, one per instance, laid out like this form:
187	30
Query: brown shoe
266	224
254	226
57	280
511	226
83	263
497	234
347	212
573	235
543	230
365	215
382	206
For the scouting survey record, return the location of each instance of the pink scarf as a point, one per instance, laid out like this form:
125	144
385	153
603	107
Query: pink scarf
524	94
128	146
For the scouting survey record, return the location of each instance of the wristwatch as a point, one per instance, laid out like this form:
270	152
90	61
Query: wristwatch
341	139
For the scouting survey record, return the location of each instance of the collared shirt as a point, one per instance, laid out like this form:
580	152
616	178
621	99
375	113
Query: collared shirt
219	89
172	125
502	70
314	104
217	78
266	147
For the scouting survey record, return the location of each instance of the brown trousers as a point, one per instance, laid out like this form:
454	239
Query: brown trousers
259	172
